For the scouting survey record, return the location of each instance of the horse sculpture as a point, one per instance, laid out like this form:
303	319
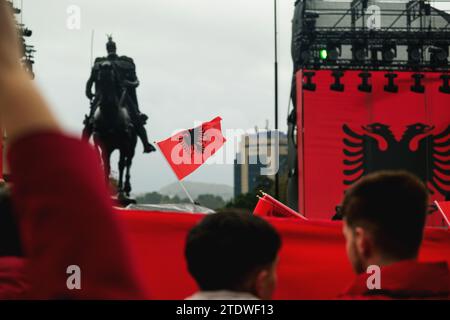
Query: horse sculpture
113	128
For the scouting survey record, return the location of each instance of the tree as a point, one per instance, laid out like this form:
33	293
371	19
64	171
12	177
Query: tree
265	184
210	201
157	198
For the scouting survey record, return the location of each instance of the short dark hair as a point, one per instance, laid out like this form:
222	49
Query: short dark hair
225	248
10	244
393	206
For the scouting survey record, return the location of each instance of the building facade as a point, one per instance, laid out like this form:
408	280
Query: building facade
259	154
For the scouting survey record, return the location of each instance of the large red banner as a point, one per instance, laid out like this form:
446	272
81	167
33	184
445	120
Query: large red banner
345	135
313	261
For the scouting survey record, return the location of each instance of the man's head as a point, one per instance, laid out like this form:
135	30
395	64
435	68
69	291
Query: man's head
384	218
10	245
111	46
234	251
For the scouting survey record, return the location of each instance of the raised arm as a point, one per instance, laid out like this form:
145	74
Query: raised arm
59	195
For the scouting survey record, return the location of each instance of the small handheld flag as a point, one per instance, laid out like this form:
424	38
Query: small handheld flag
188	150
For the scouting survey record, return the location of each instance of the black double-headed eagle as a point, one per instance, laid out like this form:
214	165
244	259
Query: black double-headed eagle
422	150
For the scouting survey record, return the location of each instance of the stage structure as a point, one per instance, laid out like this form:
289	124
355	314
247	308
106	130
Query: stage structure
370	92
27	63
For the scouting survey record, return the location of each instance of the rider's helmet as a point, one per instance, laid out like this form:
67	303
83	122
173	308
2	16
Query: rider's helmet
111	46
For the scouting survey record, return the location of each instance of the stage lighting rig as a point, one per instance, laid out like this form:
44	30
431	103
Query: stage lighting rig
415	54
14	9
27	59
389	52
439	54
306	53
331	53
411	36
360	51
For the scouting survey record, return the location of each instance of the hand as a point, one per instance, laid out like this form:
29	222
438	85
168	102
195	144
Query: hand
10	52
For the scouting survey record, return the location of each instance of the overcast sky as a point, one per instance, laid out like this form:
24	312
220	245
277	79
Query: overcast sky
196	59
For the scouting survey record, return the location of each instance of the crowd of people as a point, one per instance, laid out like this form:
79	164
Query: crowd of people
58	213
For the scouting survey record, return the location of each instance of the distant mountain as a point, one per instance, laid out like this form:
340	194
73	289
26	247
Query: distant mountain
196	189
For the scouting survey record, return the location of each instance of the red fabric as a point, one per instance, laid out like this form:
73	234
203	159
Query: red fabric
313	261
13	284
405	280
66	218
187	150
444	208
268	206
321	115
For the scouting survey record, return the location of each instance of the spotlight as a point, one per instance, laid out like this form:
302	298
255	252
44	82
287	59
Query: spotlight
309	85
391	86
415	54
331	53
439	54
418	87
337	85
305	55
365	86
26	32
389	52
305	52
445	88
359	51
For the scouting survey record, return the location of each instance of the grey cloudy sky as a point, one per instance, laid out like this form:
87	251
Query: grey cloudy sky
196	59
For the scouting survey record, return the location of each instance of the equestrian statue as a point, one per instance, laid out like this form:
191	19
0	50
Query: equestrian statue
115	121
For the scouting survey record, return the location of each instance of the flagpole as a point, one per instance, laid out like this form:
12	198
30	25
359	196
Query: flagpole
277	177
185	191
443	213
181	182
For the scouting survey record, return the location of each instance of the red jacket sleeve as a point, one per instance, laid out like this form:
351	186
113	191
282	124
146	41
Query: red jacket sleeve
66	218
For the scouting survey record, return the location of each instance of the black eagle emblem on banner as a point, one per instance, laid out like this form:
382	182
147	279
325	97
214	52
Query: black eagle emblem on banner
419	151
193	140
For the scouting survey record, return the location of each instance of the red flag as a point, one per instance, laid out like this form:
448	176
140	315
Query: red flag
444	208
187	150
270	207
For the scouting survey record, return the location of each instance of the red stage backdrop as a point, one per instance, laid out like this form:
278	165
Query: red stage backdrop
313	263
344	135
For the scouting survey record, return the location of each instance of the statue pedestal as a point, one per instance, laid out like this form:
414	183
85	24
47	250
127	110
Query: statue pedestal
123	200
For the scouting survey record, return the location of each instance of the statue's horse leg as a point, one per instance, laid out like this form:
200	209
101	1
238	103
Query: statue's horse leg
103	154
129	163
128	176
122	163
106	155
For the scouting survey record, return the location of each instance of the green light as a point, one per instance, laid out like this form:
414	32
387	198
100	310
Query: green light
323	54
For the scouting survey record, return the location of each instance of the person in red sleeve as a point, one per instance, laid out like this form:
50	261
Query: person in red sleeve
59	196
384	219
12	282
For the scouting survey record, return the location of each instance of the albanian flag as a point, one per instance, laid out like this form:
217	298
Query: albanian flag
444	208
187	150
268	206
